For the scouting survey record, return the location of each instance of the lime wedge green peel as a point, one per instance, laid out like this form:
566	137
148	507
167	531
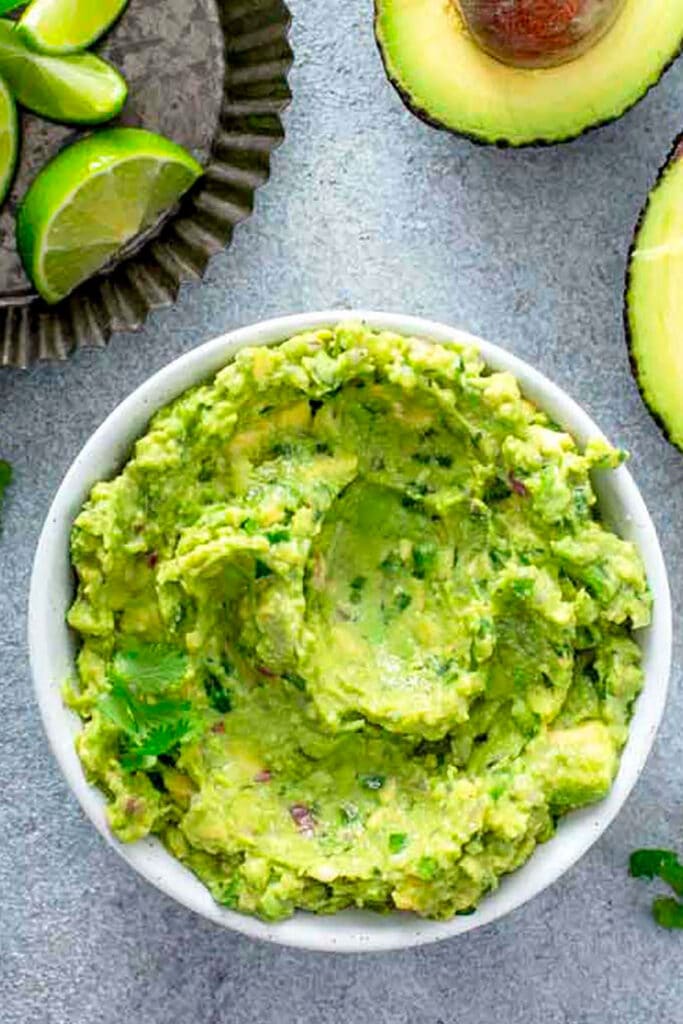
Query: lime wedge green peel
82	89
66	26
9	139
93	199
9	5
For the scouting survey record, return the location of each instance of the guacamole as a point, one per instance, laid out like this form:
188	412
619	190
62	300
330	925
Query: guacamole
351	630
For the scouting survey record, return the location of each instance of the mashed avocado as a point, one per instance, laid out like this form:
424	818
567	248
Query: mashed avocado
352	632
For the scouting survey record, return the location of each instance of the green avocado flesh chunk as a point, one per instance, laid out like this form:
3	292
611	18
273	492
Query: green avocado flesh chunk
352	632
654	300
445	77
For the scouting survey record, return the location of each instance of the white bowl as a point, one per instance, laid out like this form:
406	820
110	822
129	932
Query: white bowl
52	647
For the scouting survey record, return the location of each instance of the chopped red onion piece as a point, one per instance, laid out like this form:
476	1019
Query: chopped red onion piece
266	672
517	486
303	819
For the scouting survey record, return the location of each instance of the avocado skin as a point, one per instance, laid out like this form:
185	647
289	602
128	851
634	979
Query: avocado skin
676	153
479	140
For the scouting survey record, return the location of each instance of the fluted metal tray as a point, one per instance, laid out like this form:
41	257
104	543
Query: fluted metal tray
211	74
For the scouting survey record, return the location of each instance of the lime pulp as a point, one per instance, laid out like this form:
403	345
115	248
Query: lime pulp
93	199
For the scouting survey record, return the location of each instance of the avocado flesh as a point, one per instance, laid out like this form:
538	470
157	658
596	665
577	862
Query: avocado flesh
449	81
655	300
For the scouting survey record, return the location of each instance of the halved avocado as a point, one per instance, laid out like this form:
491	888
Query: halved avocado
654	299
445	78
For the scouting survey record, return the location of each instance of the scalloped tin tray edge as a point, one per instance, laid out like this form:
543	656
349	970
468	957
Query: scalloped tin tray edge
255	92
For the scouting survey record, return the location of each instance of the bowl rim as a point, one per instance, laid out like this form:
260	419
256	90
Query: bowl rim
51	645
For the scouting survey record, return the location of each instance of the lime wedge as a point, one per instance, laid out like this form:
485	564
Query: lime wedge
65	26
78	90
9	139
93	199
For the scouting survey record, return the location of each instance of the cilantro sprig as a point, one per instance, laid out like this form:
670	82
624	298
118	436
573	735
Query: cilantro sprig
666	910
149	668
5	478
152	723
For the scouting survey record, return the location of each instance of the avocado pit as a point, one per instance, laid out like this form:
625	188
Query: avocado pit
538	33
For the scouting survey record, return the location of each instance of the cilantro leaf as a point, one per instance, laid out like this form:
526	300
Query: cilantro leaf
5	478
427	868
149	668
372	781
261	570
218	695
397	842
158	712
424	559
668	912
151	724
117	706
662	864
159	741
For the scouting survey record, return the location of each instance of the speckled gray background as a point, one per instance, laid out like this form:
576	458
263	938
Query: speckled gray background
366	207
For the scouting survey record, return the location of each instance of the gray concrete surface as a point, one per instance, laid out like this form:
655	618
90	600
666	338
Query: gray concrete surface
367	206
